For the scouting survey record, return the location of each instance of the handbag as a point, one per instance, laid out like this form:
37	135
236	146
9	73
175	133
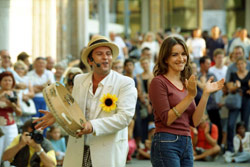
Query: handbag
233	101
143	111
28	107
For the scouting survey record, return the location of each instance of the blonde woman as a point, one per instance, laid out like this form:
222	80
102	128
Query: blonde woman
26	94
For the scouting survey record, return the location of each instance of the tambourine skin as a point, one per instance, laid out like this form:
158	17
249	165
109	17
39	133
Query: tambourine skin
64	108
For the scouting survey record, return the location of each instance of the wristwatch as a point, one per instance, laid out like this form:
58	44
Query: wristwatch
39	152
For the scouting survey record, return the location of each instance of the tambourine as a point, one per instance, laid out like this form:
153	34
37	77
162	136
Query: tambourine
64	108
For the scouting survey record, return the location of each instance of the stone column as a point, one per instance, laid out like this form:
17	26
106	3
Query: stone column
44	28
247	15
199	13
4	22
82	19
155	15
103	15
145	16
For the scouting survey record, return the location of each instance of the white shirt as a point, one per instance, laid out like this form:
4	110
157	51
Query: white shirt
121	44
92	101
154	48
245	44
197	45
40	80
245	143
218	72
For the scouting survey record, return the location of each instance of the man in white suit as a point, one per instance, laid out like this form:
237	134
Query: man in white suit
108	101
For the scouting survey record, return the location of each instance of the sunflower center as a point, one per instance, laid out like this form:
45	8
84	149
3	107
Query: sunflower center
108	102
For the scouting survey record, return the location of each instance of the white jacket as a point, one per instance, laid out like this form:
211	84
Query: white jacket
109	143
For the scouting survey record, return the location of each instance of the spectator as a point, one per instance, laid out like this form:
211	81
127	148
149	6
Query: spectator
149	41
123	50
9	104
40	77
6	66
242	41
143	80
145	52
194	68
241	145
23	56
69	77
144	153
204	140
26	95
239	82
118	66
50	63
219	70
60	68
131	141
212	106
128	71
24	150
237	52
224	117
58	143
196	46
214	42
236	34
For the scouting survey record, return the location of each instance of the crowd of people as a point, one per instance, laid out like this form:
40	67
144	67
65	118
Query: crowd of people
178	80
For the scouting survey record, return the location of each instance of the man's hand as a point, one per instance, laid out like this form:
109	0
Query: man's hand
25	139
47	120
33	144
87	129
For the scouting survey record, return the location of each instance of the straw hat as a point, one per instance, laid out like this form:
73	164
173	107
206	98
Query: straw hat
98	41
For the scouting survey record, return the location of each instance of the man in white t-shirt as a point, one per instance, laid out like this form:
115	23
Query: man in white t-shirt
40	78
123	50
219	70
196	46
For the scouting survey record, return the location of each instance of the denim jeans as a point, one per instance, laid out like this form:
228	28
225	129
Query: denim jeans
232	118
242	157
170	150
245	113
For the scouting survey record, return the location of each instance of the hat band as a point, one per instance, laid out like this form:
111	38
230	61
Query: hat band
99	41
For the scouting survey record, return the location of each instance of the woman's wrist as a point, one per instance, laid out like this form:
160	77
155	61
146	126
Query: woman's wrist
190	96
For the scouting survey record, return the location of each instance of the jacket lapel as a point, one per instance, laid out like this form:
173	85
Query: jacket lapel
84	92
107	88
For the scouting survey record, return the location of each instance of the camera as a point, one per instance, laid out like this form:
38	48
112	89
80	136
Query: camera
36	135
11	99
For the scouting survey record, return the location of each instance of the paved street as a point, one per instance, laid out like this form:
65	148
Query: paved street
218	163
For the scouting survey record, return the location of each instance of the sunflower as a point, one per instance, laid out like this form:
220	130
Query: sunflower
108	102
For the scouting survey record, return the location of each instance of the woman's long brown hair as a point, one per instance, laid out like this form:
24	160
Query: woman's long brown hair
161	66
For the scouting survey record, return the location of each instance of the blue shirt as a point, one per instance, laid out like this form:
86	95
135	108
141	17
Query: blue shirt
59	145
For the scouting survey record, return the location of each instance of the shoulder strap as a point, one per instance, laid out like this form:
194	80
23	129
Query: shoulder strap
210	128
15	94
